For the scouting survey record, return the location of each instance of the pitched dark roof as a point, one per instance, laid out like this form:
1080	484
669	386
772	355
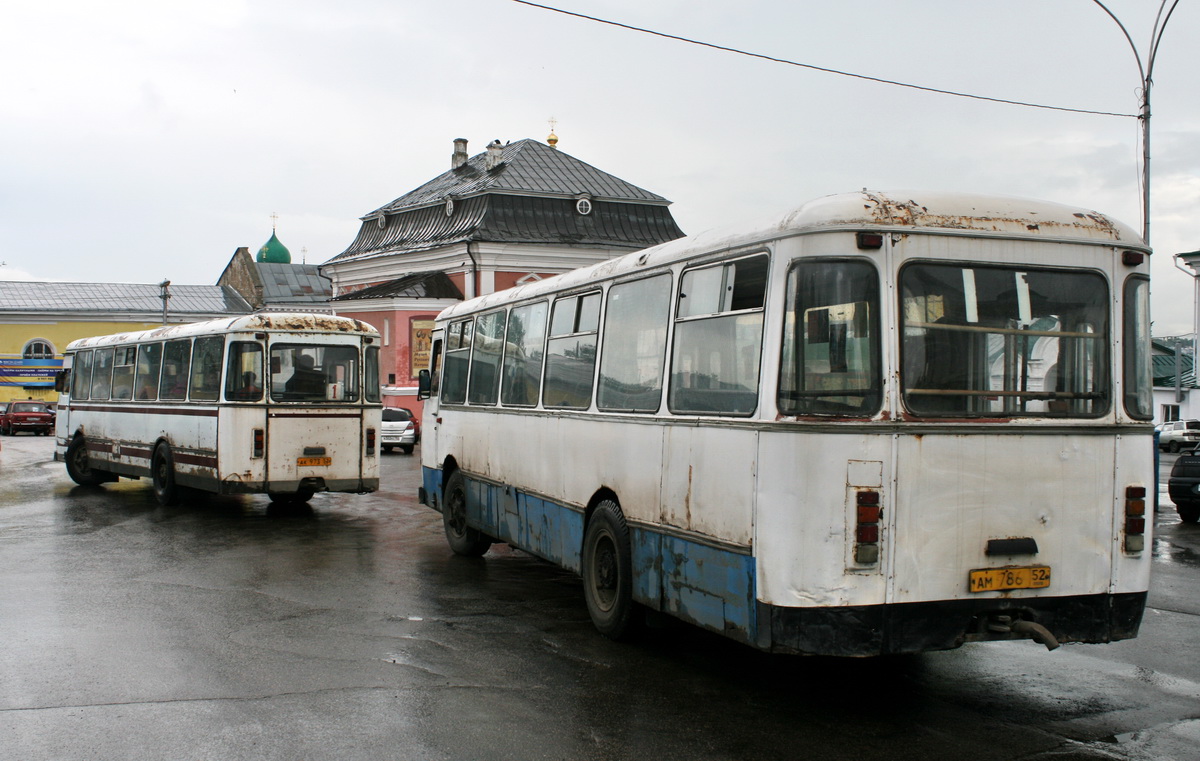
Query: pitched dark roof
527	167
417	285
119	298
293	283
528	197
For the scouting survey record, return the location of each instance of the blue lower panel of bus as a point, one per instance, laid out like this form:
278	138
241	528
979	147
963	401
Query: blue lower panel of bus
706	585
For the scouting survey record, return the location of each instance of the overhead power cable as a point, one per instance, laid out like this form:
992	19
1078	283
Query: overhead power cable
826	70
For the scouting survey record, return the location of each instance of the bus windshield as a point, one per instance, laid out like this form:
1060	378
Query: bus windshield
1004	341
314	373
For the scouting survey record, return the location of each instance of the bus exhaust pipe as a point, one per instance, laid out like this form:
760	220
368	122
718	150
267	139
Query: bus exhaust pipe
1031	629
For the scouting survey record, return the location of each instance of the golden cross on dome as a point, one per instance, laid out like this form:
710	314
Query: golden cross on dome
274	219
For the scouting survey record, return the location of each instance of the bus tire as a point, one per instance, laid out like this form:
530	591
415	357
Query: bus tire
1189	512
463	539
162	476
78	467
608	573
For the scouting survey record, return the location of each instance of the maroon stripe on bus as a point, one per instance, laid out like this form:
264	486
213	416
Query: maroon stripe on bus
300	415
141	409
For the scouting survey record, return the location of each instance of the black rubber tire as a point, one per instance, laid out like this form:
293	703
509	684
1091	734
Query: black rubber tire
1173	447
463	539
78	468
608	574
162	476
386	447
1188	512
406	448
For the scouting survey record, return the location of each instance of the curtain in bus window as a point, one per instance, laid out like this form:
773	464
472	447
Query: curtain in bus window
176	359
1137	376
571	352
102	367
243	377
635	345
458	360
124	360
829	364
717	353
991	341
206	368
313	372
523	352
371	374
484	386
149	365
81	375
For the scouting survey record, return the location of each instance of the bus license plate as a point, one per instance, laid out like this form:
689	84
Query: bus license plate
996	579
312	462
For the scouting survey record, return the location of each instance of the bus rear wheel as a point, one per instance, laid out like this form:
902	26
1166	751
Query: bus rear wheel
78	467
162	476
298	497
463	539
608	573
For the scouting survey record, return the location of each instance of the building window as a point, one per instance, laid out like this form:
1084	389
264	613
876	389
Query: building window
38	348
1170	412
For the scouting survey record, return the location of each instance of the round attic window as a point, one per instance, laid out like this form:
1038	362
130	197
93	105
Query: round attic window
381	221
583	206
449	206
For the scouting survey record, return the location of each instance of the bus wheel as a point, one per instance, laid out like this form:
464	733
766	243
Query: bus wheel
608	573
77	464
298	497
162	475
463	539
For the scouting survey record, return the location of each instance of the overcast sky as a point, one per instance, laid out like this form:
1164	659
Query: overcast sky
145	139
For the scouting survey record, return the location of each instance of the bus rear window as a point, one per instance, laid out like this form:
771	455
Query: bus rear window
314	373
1004	341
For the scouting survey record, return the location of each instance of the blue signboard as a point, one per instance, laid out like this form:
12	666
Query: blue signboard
28	373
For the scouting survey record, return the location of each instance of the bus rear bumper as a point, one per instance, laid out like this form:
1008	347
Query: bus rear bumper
348	485
944	625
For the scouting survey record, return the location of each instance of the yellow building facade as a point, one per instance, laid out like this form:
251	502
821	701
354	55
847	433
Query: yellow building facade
39	320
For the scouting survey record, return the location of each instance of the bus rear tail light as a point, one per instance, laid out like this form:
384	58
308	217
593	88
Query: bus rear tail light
866	529
258	442
1135	518
370	442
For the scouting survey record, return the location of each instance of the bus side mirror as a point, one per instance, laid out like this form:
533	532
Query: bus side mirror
62	381
423	384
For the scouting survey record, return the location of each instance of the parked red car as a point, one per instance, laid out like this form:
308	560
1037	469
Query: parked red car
27	416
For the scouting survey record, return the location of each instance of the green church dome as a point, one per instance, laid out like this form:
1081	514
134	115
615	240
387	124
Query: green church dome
275	252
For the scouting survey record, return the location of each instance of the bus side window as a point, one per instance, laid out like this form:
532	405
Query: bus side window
523	351
718	338
148	366
81	375
458	354
176	356
122	378
206	368
102	367
243	380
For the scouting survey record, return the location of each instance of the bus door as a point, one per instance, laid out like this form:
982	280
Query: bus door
429	414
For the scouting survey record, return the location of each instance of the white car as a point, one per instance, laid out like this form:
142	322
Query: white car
398	430
1179	434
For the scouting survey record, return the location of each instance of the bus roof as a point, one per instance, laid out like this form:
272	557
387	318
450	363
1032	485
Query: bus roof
944	213
302	322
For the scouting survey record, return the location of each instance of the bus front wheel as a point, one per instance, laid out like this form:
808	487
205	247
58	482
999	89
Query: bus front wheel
463	539
608	573
78	467
162	475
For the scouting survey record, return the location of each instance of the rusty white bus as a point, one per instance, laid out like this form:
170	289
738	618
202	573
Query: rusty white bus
270	403
879	423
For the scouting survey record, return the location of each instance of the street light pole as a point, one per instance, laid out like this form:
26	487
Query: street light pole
1146	74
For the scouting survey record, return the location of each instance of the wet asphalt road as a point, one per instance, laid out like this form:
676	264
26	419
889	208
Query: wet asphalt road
219	630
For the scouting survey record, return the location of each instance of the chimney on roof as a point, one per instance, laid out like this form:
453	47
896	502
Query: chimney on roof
493	154
460	153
